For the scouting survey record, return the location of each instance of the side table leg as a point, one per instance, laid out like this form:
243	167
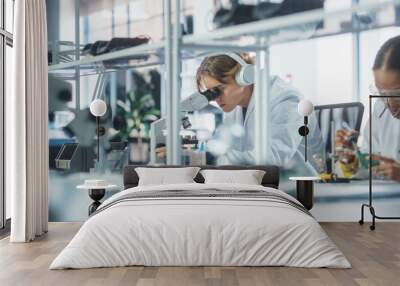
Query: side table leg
93	207
305	193
96	195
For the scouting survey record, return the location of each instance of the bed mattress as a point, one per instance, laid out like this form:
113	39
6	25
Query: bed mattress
201	225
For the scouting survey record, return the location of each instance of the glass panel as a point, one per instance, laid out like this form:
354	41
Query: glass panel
133	102
120	20
337	4
319	76
97	22
61	30
104	20
1	16
197	124
9	14
105	27
188	9
2	137
146	18
371	15
201	130
323	81
8	90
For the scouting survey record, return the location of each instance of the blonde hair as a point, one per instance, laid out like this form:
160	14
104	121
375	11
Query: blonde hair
220	67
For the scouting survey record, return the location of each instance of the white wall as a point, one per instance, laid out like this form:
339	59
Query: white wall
334	76
321	69
295	62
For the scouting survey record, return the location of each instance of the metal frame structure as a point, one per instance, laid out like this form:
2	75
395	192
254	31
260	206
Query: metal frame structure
2	125
356	56
261	99
370	205
175	46
6	39
77	56
280	23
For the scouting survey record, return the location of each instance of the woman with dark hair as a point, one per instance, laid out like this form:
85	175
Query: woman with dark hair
385	119
229	77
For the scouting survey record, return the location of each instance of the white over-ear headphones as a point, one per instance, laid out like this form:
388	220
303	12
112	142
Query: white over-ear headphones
245	76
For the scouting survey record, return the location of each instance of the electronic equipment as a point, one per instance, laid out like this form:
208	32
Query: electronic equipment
73	158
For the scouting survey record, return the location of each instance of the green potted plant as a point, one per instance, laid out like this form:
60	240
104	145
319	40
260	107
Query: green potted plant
132	123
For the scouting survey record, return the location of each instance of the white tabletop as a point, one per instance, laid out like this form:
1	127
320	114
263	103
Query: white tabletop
89	187
304	178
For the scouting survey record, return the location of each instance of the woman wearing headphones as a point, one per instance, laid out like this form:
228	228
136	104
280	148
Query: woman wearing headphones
230	77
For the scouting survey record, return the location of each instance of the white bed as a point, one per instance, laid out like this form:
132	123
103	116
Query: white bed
185	230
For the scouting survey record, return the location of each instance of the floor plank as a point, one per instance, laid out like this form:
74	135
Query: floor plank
374	255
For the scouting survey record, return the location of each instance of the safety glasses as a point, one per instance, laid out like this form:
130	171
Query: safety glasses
211	94
391	98
384	92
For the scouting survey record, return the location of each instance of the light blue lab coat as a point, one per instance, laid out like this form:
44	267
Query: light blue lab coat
286	145
385	133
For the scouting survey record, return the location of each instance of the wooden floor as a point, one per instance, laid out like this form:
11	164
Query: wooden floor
375	257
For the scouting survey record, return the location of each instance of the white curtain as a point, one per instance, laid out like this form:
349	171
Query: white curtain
26	119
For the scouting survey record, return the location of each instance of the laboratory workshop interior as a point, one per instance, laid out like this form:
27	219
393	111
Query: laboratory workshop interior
213	142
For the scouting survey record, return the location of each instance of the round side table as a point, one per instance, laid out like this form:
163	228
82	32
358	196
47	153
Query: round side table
96	193
305	190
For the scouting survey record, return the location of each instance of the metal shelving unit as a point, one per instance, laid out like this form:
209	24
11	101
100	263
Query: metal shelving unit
143	55
254	37
245	37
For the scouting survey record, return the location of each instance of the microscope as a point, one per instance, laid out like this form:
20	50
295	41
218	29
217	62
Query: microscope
195	102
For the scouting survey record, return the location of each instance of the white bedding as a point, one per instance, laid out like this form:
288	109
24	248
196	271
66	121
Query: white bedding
200	231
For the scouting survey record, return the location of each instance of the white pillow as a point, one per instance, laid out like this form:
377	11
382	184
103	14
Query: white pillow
248	177
164	176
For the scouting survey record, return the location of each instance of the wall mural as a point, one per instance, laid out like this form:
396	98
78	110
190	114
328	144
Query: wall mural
217	120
